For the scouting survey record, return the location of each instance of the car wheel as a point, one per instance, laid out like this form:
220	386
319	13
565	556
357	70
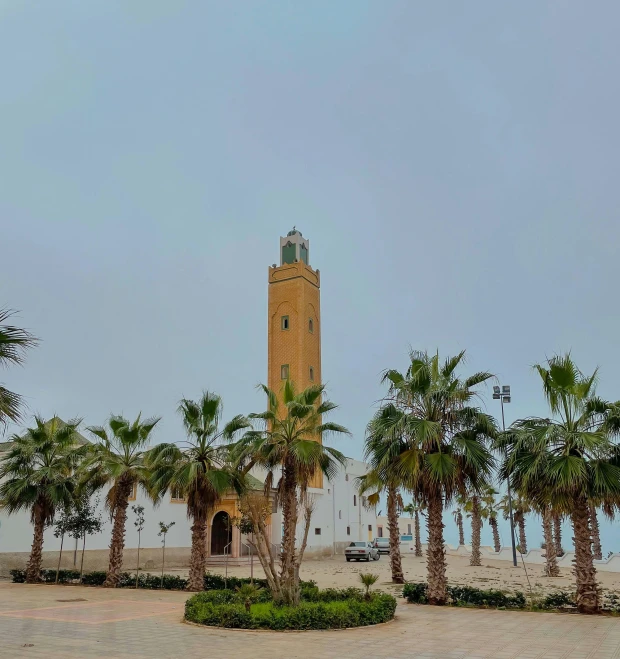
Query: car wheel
348	559
377	557
368	558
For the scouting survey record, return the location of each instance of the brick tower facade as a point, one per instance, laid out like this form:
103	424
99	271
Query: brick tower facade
294	333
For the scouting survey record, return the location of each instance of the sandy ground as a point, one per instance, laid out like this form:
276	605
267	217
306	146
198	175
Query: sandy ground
335	572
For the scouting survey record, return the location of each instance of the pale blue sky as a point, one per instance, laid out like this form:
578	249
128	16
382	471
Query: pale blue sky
452	163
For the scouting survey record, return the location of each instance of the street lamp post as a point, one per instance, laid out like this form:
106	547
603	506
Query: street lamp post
503	395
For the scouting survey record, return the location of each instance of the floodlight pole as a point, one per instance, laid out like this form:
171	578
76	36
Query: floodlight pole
512	524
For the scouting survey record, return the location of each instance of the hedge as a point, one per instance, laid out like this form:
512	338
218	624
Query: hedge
416	593
146	580
224	609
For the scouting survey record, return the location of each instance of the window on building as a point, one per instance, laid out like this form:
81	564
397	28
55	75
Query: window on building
408	529
354	500
329	491
311	374
379	531
370	527
346	477
284	372
348	530
317	531
134	492
285	324
310	325
340	514
176	496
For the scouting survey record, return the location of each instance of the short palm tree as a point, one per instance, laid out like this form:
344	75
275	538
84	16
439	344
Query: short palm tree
473	508
569	460
14	342
368	580
117	460
415	509
520	508
490	512
38	473
383	445
198	471
290	449
446	451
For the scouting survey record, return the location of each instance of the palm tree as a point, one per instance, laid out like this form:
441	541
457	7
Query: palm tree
446	452
520	508
14	342
490	512
198	471
117	460
291	446
597	549
38	472
416	508
457	513
567	461
474	511
556	517
382	449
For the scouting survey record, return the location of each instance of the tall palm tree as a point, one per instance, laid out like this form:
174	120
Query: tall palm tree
597	549
382	449
117	460
520	508
416	508
457	513
38	471
446	452
14	342
568	460
290	449
490	512
557	532
198	471
475	512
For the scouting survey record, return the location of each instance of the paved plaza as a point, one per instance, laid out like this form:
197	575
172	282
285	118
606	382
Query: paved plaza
62	622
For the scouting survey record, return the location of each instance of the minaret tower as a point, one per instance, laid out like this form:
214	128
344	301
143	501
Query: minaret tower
294	349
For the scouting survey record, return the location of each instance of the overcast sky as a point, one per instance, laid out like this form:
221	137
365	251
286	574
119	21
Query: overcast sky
453	165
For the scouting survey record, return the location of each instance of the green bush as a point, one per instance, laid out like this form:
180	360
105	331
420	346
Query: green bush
416	593
224	609
557	600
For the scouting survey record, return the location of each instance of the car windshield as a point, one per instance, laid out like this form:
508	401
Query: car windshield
357	544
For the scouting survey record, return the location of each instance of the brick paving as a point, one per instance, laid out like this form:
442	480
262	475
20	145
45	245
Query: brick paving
43	622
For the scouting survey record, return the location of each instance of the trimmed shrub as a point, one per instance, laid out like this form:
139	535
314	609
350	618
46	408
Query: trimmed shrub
416	593
224	609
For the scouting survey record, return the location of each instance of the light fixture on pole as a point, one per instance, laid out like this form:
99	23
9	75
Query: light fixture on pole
503	395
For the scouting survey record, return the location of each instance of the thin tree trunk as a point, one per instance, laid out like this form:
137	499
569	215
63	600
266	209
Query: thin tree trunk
436	554
522	536
82	562
163	561
557	534
597	550
418	543
117	544
496	543
476	527
392	515
290	593
198	556
551	563
62	540
138	563
33	569
588	595
459	523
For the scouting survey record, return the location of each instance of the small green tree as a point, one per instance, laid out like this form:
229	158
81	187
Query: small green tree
61	527
84	520
247	593
163	530
139	524
368	580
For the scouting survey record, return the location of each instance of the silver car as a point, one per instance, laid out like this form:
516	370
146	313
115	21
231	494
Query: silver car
361	551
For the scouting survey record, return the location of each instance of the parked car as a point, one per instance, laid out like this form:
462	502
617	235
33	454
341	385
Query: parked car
361	551
382	545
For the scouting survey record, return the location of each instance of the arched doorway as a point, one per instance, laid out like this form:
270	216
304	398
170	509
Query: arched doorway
221	533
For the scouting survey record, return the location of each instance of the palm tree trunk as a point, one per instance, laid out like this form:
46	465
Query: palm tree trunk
290	593
418	544
62	541
117	545
551	563
597	550
459	523
33	569
198	556
496	543
522	536
588	595
476	527
557	534
436	554
392	515
82	561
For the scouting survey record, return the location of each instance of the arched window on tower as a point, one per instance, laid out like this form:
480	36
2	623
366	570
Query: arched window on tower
310	325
